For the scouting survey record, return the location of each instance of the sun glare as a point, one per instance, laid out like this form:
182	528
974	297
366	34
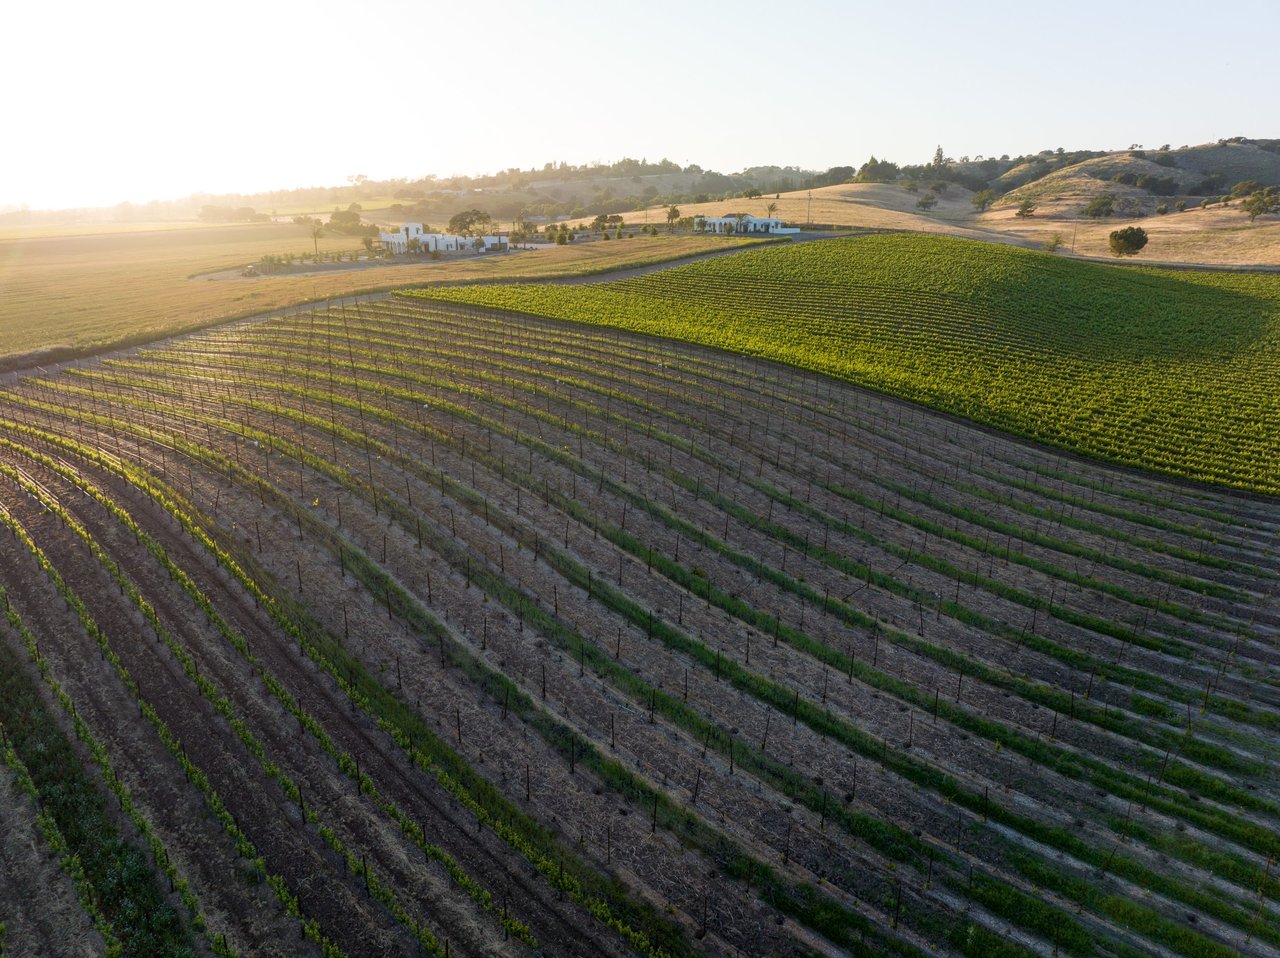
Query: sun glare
143	100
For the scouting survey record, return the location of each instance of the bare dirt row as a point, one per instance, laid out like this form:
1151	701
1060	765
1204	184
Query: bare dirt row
736	638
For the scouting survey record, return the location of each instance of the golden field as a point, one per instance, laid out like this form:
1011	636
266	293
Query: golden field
68	290
73	294
1218	236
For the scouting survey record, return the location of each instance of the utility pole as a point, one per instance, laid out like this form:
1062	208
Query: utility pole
808	216
1074	227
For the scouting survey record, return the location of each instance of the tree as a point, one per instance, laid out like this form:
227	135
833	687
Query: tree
1026	208
347	221
1053	243
877	171
939	161
771	209
316	229
1261	202
673	214
523	229
368	244
470	223
982	199
1128	241
1104	204
927	202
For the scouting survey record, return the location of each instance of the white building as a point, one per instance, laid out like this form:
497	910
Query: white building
402	240
743	223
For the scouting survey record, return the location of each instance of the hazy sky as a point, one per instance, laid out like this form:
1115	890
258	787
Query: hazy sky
105	102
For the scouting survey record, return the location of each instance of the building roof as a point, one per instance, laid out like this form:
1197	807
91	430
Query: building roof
746	217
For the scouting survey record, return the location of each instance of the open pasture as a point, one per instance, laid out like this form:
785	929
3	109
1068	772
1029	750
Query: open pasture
1220	235
415	627
72	295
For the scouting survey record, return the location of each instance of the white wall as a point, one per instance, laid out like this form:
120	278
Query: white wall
752	224
398	241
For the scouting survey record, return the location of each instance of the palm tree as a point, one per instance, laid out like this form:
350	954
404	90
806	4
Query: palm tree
771	209
673	214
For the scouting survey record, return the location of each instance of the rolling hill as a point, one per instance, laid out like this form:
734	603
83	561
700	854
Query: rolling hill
1060	184
1172	371
659	617
406	627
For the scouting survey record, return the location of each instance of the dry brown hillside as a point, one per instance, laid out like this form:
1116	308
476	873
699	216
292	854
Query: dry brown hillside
851	205
1218	235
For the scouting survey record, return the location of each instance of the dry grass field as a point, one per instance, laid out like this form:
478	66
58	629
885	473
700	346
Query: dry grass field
85	227
1220	236
63	294
863	205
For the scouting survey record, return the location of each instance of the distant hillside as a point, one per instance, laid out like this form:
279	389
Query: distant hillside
880	193
1247	160
1141	180
553	191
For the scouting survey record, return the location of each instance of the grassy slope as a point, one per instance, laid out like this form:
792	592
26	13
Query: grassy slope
77	294
1217	236
874	205
1172	371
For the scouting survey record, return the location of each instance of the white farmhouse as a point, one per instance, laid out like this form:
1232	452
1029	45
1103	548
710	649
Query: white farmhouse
402	240
744	223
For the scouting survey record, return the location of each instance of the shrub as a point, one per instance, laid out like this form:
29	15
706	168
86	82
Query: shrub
982	199
1260	202
1101	205
1128	241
